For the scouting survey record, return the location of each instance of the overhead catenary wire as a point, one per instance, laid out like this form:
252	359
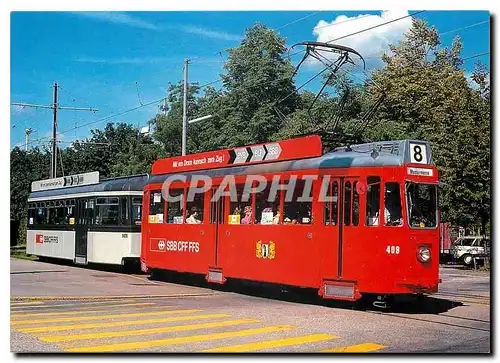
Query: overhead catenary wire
376	55
476	56
103	119
377	26
220	80
463	28
343	37
277	80
344	21
298	20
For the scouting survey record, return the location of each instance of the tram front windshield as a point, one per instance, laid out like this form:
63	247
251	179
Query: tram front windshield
422	205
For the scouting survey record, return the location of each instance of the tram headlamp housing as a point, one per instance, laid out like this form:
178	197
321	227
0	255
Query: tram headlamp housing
423	254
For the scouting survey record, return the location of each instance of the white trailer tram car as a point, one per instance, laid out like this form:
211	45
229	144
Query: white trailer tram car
85	220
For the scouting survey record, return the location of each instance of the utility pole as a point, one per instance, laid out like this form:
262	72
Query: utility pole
184	108
27	132
53	161
55	106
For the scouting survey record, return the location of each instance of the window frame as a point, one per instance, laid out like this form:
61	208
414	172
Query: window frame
282	201
402	207
380	201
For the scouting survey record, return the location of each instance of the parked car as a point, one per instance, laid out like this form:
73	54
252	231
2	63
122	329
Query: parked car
464	249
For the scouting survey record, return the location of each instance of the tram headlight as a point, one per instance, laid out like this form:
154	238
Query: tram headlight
423	254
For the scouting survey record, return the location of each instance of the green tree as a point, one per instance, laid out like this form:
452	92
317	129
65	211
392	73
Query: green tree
25	167
429	98
258	80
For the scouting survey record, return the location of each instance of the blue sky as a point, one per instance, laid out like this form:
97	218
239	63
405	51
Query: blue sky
108	60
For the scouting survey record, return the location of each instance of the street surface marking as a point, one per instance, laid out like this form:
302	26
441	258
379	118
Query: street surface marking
249	347
80	311
52	328
358	348
73	304
14	304
102	317
126	333
180	340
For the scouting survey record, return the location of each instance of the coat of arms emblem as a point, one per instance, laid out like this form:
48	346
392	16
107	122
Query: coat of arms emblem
265	250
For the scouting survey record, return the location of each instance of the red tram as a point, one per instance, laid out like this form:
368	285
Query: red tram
355	221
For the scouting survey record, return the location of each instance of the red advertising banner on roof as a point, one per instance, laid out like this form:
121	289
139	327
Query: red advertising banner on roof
300	148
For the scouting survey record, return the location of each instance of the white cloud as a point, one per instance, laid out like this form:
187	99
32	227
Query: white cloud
371	43
124	60
210	33
118	18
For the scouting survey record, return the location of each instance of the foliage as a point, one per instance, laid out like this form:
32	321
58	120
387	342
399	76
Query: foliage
429	98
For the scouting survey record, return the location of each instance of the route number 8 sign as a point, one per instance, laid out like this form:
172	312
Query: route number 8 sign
418	153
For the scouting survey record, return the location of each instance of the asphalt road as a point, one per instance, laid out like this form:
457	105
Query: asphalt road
58	308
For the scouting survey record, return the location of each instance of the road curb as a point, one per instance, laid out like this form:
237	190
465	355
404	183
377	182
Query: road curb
112	297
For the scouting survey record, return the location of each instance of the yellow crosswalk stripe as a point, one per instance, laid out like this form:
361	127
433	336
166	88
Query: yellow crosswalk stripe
52	328
13	304
80	311
102	317
72	305
249	347
175	328
358	348
179	340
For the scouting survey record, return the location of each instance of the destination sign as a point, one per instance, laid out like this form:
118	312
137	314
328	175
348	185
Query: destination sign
304	147
420	171
66	181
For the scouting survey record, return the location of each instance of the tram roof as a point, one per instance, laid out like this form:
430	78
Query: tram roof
126	183
388	153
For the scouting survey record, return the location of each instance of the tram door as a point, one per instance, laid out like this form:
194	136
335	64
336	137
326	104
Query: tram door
85	210
349	222
217	220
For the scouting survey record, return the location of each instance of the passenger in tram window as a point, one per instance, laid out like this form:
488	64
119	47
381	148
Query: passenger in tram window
373	201
248	215
276	218
194	217
392	211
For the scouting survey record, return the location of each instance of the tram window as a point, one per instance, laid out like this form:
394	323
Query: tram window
240	211
51	212
298	212
331	204
136	210
194	209
347	203
392	205
175	209
41	214
60	212
31	213
107	211
69	211
422	205
267	212
355	204
124	211
88	213
156	204
372	200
